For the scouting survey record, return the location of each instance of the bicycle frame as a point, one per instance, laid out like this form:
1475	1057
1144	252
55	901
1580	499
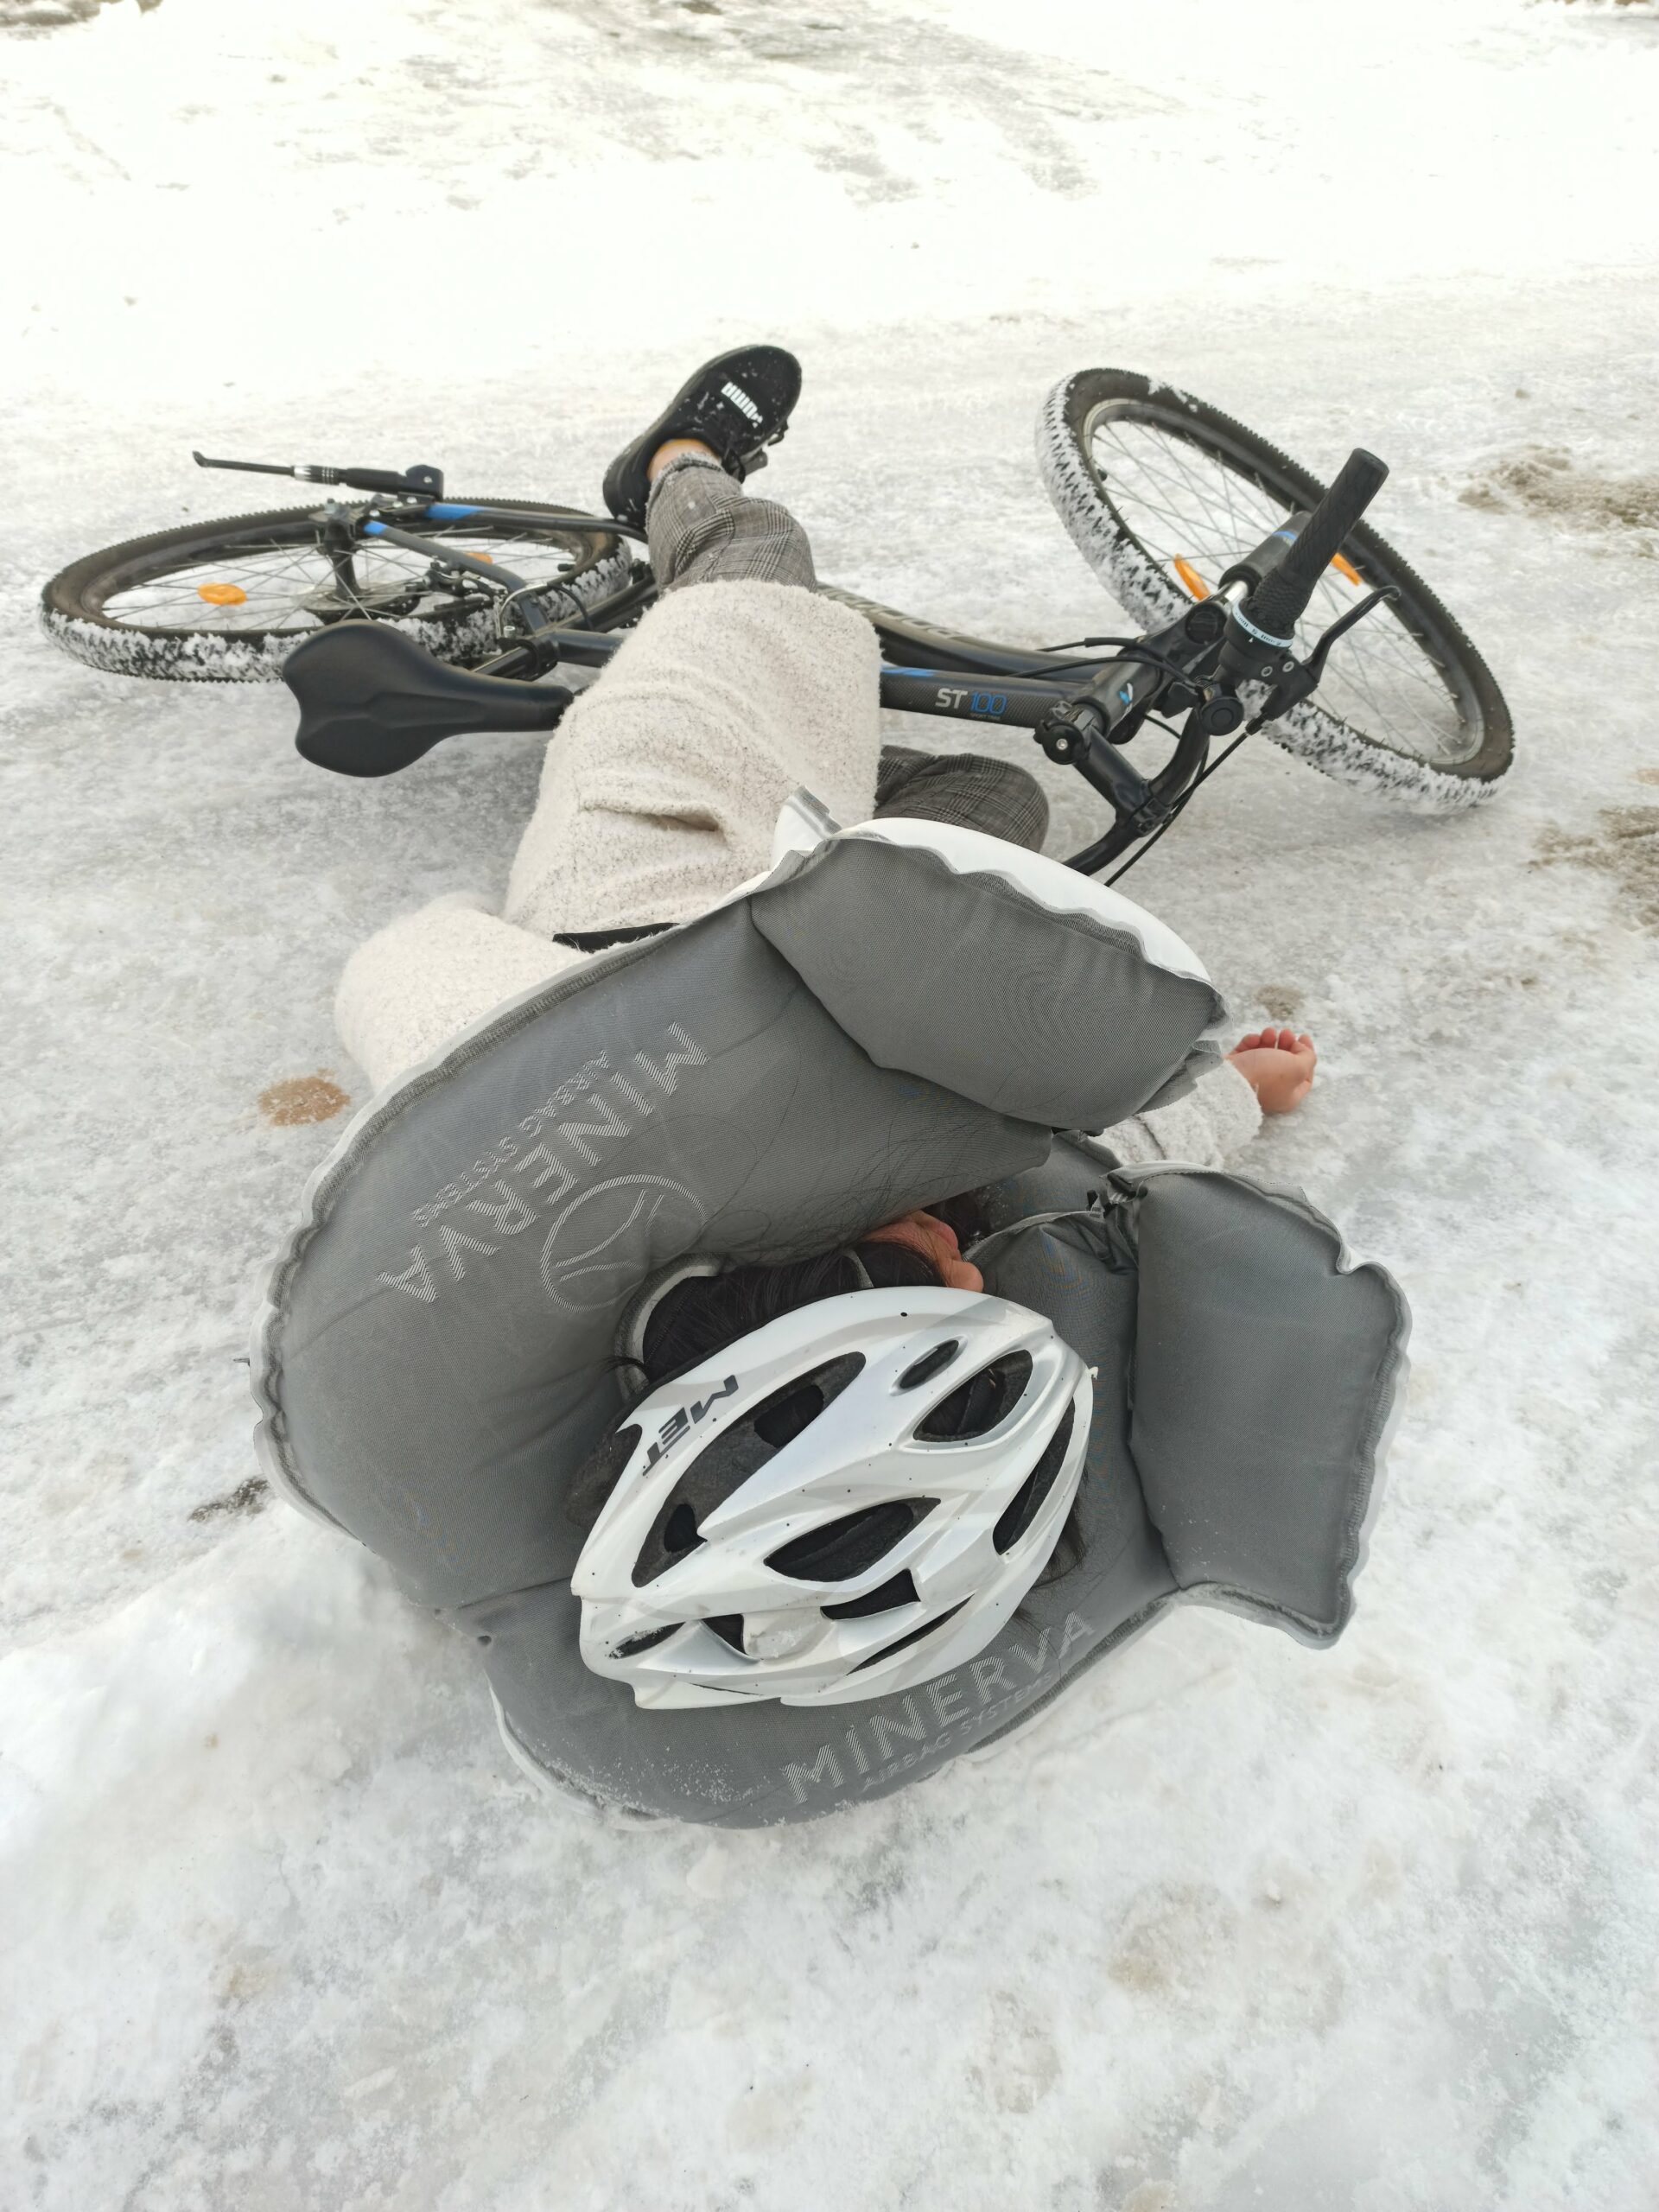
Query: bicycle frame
1079	724
371	708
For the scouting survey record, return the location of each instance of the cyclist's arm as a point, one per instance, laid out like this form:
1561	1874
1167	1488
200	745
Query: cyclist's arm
429	974
1216	1119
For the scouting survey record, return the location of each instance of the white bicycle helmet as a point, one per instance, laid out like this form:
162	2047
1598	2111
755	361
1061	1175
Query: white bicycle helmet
841	1504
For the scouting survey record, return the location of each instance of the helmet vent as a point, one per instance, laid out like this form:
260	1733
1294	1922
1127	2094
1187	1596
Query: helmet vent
638	1644
1022	1507
929	1364
735	1451
899	1590
850	1546
680	1531
915	1635
980	1404
781	1420
598	1476
728	1627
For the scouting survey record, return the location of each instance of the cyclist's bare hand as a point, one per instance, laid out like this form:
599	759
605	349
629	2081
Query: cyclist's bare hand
1278	1065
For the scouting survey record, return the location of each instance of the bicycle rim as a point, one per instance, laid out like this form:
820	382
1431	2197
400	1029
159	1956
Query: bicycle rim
228	600
288	590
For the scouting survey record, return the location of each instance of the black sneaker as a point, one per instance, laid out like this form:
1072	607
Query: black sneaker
737	403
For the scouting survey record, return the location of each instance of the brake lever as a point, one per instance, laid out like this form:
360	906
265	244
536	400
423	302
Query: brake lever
1305	676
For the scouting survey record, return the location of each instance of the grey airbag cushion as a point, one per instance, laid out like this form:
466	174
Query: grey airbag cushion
912	956
1205	1057
1271	1529
1067	1270
437	1352
1266	1369
770	1763
877	1025
1071	1180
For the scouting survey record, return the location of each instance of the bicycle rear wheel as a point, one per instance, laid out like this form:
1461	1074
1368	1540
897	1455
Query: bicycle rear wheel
227	601
1161	492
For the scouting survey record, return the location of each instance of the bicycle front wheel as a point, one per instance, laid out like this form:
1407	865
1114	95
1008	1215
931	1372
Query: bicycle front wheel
227	601
1161	492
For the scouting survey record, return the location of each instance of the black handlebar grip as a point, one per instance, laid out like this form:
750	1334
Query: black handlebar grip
1280	601
365	480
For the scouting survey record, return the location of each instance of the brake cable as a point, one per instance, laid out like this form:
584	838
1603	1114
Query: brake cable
1133	648
1290	693
1180	807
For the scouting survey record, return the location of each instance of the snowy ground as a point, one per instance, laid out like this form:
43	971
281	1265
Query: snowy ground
1233	1926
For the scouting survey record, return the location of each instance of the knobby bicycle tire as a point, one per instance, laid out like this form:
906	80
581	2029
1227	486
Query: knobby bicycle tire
1336	747
72	604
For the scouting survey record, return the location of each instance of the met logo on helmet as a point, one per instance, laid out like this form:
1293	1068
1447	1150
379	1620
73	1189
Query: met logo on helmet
679	1424
741	401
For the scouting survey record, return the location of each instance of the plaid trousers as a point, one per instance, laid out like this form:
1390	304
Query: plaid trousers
703	529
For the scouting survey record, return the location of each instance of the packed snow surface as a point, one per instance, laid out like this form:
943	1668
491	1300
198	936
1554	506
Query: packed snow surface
1232	1925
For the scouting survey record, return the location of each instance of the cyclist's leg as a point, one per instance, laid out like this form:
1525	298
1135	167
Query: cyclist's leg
703	530
969	790
661	793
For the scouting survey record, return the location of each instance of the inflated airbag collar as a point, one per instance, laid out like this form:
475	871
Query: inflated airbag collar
901	1013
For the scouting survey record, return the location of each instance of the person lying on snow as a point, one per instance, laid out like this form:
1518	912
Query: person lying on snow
660	795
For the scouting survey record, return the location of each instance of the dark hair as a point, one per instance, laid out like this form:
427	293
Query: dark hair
705	1312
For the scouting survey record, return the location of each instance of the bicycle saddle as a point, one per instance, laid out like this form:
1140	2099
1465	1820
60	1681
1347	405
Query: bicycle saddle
372	701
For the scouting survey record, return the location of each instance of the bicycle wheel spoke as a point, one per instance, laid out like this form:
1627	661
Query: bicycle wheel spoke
1186	500
1175	516
1180	496
271	575
265	581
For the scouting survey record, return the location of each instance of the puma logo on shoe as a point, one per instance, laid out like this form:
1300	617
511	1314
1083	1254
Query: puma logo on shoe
741	401
735	405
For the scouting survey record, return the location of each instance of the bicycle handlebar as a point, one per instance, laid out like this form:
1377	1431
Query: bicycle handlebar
1280	601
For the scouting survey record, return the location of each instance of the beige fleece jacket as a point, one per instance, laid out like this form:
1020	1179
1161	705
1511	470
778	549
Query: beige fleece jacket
659	795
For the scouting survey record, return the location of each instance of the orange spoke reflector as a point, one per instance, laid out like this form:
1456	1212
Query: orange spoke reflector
1345	568
1190	576
222	595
